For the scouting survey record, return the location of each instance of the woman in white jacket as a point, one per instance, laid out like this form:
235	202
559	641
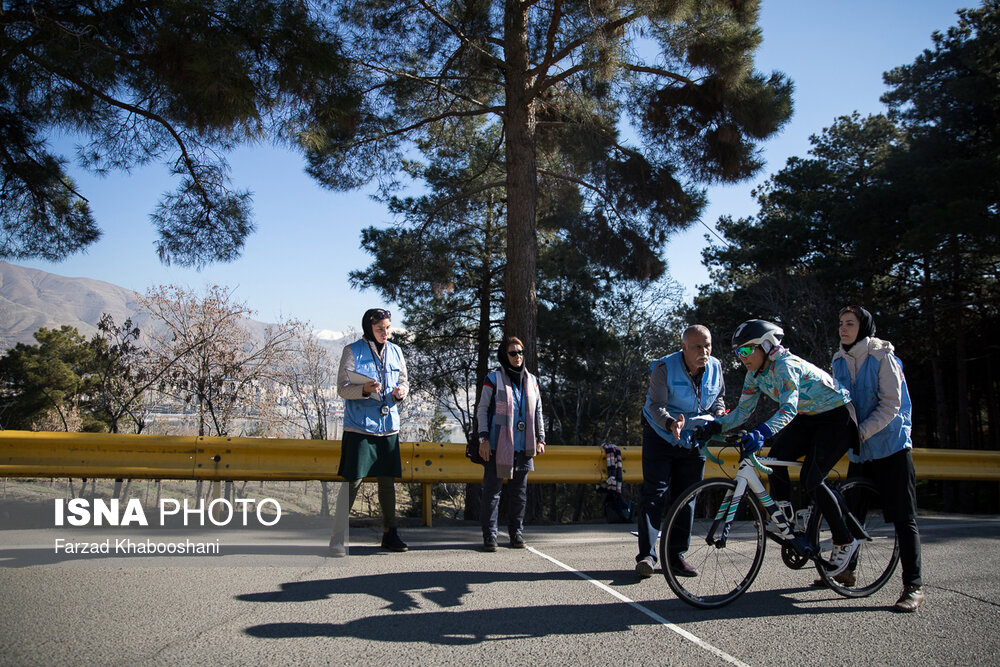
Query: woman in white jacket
867	366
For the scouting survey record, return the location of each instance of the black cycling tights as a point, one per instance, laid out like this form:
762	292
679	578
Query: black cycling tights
823	440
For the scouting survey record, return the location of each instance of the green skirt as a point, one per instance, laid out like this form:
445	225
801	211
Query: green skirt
364	455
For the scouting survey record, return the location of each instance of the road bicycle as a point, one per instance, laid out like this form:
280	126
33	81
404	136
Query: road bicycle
722	531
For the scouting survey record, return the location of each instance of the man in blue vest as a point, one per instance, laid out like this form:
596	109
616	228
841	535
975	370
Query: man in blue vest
682	385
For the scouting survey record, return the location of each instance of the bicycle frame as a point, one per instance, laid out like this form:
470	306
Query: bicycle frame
746	477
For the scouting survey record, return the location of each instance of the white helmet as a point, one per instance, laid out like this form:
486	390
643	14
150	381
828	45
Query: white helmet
758	332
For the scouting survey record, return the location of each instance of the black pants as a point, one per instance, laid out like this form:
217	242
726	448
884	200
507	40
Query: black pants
897	484
517	496
667	471
823	440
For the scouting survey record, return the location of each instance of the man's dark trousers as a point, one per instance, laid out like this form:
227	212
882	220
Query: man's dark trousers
667	471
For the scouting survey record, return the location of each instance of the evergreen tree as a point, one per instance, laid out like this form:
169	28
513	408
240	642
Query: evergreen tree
50	382
175	82
948	100
556	79
820	234
897	212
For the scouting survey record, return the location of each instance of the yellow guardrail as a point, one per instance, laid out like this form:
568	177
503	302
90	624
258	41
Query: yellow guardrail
104	455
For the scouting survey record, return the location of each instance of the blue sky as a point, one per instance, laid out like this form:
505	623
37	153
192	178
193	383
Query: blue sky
308	238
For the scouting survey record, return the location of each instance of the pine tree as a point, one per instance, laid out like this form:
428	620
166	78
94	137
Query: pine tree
557	80
173	82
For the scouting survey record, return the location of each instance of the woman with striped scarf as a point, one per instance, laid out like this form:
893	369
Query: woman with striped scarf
511	433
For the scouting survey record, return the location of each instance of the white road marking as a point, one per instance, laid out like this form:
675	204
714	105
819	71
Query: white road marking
653	615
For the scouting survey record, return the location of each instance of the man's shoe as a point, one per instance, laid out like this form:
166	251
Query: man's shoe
682	568
912	597
490	544
841	556
391	541
845	578
644	568
517	541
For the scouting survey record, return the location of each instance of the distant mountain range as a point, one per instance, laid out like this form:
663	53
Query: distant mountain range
31	299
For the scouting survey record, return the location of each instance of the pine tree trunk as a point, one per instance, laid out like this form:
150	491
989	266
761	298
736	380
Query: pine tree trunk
520	298
962	418
991	434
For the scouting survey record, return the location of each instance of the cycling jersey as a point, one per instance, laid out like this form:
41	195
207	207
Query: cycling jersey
797	386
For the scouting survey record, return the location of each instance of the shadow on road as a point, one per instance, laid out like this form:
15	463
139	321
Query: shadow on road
469	627
402	590
406	594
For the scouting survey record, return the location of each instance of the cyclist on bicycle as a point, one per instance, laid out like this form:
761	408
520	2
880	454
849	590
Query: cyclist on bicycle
814	419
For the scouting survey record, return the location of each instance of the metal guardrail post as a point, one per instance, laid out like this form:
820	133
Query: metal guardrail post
426	500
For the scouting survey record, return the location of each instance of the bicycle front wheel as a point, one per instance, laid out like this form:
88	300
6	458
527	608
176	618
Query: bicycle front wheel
722	537
875	560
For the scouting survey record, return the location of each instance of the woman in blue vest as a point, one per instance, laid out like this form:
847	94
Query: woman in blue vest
682	385
874	375
511	432
372	381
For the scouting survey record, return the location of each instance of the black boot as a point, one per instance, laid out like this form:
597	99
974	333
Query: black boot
391	541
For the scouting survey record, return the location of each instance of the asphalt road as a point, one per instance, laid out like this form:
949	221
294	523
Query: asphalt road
570	598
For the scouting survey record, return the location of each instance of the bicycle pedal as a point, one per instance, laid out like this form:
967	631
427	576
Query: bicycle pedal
801	546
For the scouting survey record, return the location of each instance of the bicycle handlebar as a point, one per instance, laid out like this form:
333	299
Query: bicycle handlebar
758	466
709	455
729	441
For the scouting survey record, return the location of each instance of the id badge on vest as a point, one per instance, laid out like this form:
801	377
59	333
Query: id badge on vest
519	398
383	370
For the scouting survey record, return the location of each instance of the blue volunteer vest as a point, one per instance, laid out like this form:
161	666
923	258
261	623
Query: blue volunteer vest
682	399
366	414
864	395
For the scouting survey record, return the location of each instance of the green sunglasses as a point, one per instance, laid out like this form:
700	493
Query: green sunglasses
746	350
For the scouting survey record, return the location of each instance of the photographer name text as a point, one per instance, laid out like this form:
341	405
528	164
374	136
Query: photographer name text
133	547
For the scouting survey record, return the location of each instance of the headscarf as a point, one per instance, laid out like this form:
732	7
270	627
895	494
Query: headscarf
505	410
371	316
515	374
866	325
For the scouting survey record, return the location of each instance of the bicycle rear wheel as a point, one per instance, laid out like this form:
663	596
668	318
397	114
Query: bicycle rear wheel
875	560
727	561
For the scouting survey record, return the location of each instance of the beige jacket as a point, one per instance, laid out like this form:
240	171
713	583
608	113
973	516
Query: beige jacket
890	381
